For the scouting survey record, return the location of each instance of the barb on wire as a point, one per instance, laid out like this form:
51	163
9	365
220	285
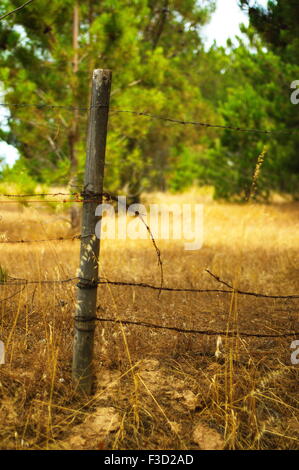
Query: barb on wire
186	331
252	294
217	278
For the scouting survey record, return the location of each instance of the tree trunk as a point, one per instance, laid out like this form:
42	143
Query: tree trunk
74	131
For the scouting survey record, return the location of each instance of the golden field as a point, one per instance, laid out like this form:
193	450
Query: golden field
154	389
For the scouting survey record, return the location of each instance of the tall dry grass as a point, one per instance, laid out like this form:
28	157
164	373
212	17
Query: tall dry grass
160	384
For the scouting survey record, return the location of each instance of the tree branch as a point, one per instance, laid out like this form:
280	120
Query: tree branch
17	9
161	23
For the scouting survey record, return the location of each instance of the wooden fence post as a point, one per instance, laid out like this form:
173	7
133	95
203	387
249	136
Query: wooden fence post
90	244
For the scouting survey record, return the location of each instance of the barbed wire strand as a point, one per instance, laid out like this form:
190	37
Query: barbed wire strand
78	195
144	285
207	124
186	331
59	239
52	106
161	288
156	117
192	290
40	195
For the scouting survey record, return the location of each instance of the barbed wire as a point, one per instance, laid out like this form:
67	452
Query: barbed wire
52	106
78	197
143	285
92	197
77	194
209	125
226	333
40	194
64	201
192	290
184	330
58	239
156	117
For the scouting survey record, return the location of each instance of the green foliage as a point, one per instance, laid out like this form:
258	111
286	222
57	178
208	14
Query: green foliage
260	99
159	66
18	178
186	170
149	49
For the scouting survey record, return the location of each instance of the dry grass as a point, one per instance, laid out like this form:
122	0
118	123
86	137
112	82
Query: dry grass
159	385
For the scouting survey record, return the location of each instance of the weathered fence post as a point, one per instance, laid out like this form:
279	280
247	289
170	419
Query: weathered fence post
90	244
